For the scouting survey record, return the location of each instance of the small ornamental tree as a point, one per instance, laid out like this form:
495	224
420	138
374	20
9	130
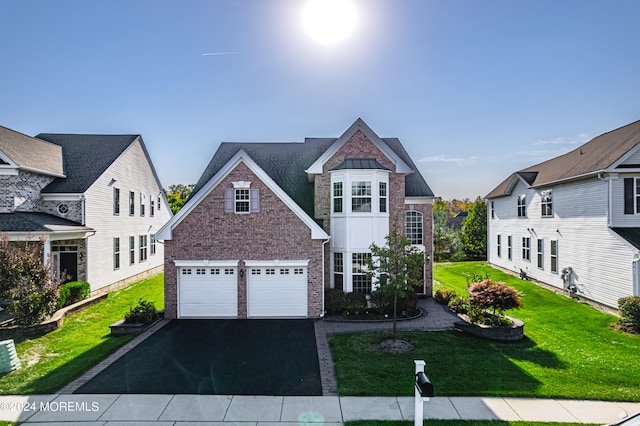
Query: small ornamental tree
496	296
27	281
397	267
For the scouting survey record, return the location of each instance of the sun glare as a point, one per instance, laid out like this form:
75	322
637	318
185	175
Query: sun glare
329	21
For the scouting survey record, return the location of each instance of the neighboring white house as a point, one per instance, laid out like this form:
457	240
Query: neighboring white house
95	200
574	221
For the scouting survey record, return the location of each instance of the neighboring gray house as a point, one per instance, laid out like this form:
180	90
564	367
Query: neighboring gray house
574	221
95	200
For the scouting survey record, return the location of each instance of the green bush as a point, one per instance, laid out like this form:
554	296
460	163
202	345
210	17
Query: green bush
383	302
33	307
459	305
444	295
72	292
145	312
356	300
629	308
335	301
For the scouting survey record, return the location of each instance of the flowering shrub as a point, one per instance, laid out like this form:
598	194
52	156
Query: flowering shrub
488	295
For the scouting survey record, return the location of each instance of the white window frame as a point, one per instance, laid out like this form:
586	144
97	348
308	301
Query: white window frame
357	271
522	205
509	247
116	253
142	204
337	197
546	203
116	201
554	256
132	250
540	253
360	193
526	249
152	246
338	269
144	239
414	229
499	245
132	203
383	194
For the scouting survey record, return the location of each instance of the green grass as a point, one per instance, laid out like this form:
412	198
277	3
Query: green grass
569	351
457	423
52	361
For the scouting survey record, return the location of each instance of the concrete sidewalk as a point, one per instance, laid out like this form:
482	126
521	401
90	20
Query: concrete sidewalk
183	410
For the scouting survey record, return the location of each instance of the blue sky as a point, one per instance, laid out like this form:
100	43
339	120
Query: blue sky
474	89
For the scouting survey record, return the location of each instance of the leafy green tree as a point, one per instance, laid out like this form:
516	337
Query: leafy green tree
177	195
397	266
474	231
446	240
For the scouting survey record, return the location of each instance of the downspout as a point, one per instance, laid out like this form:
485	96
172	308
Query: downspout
323	274
82	206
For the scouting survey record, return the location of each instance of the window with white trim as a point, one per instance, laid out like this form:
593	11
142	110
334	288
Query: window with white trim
338	271
522	206
132	250
186	271
153	246
270	271
546	202
152	206
256	271
337	197
361	196
241	200
413	227
143	248
298	271
360	281
382	192
142	203
509	247
540	253
116	253
214	271
554	256
284	271
499	247
132	203
228	271
116	201
493	211
526	248
201	271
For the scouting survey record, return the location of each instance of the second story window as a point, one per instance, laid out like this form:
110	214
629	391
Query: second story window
132	203
383	197
152	205
142	204
522	206
337	197
361	196
116	201
546	202
242	201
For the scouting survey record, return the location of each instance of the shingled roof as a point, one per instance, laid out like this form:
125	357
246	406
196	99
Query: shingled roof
286	163
86	157
38	223
30	153
595	156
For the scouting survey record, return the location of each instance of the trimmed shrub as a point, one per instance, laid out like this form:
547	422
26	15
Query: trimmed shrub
145	312
493	295
383	302
35	306
335	301
629	308
444	295
356	300
72	292
459	305
408	303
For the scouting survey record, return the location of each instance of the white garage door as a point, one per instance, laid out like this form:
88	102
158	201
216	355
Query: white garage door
277	291
207	292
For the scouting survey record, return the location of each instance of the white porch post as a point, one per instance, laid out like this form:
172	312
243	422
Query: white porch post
47	253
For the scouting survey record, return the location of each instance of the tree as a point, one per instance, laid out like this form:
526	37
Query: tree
397	266
177	195
474	230
499	297
446	240
27	281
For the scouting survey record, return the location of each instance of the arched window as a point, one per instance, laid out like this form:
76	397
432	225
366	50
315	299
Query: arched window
413	227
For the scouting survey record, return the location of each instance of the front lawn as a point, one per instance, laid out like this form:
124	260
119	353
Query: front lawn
52	361
569	351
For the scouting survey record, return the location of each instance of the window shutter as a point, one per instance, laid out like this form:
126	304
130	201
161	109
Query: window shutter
228	200
255	200
628	196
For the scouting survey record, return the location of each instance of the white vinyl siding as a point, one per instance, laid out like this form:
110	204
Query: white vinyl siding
580	227
133	174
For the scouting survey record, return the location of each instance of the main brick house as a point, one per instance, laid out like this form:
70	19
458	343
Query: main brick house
269	226
94	200
573	222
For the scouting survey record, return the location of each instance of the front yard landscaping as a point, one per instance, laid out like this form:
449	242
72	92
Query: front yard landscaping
569	351
52	361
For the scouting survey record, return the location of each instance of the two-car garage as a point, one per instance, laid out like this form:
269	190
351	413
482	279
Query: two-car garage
210	289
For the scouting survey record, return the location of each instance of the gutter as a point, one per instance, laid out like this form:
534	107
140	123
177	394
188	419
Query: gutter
323	274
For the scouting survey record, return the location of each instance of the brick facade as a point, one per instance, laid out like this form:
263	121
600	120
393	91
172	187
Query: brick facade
275	232
21	192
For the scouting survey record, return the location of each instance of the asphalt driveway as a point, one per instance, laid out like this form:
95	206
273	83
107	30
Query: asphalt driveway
218	357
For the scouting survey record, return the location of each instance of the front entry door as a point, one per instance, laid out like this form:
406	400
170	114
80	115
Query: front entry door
69	266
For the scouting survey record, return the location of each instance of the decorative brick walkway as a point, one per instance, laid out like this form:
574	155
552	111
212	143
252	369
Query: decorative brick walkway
435	317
